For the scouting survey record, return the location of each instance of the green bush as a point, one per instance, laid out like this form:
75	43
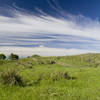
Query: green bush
13	56
2	57
11	78
36	55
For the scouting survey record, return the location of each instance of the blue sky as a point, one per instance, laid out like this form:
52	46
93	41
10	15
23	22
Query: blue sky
88	8
46	26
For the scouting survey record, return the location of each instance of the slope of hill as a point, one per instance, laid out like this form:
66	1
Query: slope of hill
51	78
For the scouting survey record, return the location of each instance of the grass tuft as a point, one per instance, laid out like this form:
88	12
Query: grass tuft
56	76
11	78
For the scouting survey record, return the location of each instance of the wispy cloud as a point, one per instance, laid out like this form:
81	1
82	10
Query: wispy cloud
25	24
27	30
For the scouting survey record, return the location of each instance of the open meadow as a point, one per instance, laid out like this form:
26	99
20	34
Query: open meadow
51	78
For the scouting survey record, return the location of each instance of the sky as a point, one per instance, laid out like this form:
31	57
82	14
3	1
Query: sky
49	27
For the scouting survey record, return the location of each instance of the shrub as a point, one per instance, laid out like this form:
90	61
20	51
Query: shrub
2	57
46	61
60	75
13	56
11	78
51	62
36	56
41	62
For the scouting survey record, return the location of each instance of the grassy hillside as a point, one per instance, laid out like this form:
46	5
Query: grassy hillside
51	78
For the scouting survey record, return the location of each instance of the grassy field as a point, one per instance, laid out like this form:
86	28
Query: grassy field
51	78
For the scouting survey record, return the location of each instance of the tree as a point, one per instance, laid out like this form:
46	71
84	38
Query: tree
2	57
13	56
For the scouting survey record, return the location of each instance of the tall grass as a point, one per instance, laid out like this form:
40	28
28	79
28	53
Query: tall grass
11	77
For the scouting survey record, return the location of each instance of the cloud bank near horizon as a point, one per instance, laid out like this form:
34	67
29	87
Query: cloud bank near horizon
43	51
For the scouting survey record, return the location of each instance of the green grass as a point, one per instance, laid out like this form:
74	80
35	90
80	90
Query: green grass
46	81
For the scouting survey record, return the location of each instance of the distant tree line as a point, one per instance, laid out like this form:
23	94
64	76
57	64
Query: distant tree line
10	57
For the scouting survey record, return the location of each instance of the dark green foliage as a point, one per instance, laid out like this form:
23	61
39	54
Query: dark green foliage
2	57
13	56
36	56
11	78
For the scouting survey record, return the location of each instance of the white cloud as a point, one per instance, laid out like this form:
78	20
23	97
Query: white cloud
43	51
27	25
30	24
